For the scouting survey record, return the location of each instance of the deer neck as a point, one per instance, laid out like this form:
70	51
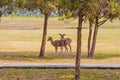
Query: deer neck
62	38
52	41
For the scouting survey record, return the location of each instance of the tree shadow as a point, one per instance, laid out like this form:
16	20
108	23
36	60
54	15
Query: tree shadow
18	55
105	56
33	55
101	55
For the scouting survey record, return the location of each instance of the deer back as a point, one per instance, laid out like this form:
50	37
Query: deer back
68	40
58	43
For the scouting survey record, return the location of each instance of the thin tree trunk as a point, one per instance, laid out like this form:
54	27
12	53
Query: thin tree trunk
42	50
0	19
89	37
78	54
94	38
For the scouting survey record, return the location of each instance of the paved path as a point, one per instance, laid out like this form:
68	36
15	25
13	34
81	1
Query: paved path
58	65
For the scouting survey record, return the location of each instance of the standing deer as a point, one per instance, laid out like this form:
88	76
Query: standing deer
57	43
67	41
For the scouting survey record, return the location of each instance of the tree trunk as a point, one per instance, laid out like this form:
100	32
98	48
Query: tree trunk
0	19
42	50
78	54
94	38
0	16
89	37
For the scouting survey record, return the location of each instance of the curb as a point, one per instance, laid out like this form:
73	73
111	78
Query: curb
22	65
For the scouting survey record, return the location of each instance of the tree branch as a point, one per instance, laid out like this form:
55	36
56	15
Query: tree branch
102	22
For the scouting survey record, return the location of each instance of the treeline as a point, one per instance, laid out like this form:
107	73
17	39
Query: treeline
26	12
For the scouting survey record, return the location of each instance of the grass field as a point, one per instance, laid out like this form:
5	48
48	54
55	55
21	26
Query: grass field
30	23
21	40
59	74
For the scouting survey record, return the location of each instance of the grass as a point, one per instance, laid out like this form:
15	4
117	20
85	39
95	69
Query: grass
10	38
57	74
31	23
19	43
24	45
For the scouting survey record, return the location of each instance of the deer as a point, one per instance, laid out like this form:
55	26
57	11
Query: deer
67	41
58	43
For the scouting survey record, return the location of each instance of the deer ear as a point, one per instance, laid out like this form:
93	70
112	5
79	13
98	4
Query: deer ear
64	34
59	34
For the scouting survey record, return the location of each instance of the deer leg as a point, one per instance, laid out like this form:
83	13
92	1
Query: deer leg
70	47
66	49
61	49
56	49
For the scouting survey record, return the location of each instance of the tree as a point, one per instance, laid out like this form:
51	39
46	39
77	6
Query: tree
90	35
100	13
103	10
46	7
76	8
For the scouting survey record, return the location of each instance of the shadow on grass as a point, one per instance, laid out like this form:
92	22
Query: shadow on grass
102	55
34	56
15	55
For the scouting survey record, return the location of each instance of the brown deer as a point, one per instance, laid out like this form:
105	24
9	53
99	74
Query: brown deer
67	41
57	43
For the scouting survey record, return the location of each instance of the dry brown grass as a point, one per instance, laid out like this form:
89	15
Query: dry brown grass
23	44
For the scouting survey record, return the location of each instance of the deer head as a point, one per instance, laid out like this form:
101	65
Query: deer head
49	38
62	35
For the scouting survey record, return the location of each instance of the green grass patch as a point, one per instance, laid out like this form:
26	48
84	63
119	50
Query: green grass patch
58	74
